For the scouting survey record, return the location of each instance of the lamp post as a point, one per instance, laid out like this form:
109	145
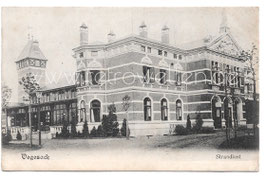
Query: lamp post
39	95
126	105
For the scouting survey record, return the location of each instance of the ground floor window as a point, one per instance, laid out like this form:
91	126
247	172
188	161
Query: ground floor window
147	109
95	111
164	110
178	110
82	111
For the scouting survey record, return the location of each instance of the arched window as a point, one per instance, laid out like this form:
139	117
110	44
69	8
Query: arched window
164	110
178	110
95	111
82	111
147	109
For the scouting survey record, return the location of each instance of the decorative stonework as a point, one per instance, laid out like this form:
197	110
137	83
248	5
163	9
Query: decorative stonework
226	45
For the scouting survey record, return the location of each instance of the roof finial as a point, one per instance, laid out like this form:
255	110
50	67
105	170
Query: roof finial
224	26
29	32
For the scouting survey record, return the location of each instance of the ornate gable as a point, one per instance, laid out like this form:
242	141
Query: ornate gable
225	44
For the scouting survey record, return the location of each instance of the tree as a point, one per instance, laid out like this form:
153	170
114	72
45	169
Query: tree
93	132
199	122
6	95
252	59
30	85
109	122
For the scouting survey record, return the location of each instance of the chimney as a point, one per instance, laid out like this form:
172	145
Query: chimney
83	34
111	36
165	34
143	30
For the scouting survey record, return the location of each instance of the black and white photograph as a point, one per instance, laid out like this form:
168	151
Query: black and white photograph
130	89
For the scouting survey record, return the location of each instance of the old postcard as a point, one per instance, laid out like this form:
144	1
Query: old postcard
150	89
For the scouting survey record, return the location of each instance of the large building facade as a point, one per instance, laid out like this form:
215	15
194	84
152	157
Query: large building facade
165	84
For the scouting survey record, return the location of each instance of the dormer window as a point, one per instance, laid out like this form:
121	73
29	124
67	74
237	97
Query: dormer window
94	53
165	53
143	48
81	55
160	52
149	49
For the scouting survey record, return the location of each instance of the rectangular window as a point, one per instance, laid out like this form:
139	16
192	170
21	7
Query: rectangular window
149	49
81	55
160	52
175	56
178	78
148	74
95	77
165	53
163	76
94	53
143	48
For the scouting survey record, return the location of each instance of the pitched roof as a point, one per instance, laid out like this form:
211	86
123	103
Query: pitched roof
32	50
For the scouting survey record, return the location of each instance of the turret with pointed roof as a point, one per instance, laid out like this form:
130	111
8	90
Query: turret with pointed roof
31	60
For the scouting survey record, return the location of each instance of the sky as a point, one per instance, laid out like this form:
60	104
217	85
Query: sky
57	30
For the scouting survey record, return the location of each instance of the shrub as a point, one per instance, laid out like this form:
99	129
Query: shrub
207	130
93	132
85	130
65	132
100	132
19	137
57	135
123	128
199	122
188	124
109	122
180	130
6	138
79	134
115	129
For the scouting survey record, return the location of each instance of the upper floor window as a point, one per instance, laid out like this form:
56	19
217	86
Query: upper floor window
180	57
149	49
143	48
80	78
178	78
175	56
160	52
95	77
94	53
148	74
147	109
163	76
